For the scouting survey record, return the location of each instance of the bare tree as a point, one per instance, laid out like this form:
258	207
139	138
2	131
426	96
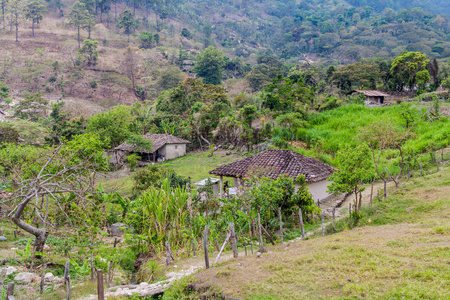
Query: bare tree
67	170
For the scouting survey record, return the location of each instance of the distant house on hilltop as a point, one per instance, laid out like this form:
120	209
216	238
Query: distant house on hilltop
165	147
279	162
373	96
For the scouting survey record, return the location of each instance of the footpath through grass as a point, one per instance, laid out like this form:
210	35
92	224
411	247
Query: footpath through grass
401	250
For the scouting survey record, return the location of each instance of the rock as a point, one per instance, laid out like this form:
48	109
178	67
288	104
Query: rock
9	270
117	229
25	277
46	247
348	279
2	238
258	254
228	152
239	264
49	277
231	147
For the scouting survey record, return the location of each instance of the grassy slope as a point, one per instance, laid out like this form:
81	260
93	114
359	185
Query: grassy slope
402	251
194	165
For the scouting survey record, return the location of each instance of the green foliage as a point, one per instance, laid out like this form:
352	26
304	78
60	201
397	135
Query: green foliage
410	68
88	53
8	134
209	65
146	40
111	126
153	176
35	11
170	78
32	108
133	161
186	33
355	165
82	269
127	22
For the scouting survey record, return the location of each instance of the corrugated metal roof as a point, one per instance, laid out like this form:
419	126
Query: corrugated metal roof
373	93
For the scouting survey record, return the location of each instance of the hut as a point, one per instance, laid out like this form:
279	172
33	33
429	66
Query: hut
278	162
373	96
165	147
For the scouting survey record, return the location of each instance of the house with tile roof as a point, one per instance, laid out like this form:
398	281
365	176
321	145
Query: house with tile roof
274	163
165	147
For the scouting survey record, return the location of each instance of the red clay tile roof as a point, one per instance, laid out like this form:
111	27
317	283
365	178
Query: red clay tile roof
158	140
280	162
373	93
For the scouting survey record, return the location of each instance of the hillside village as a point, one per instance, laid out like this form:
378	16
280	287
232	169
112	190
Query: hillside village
242	150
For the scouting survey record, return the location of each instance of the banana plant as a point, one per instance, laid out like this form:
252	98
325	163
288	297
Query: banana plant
83	270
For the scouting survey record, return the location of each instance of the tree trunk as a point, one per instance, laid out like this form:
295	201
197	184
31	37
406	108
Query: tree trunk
17	31
32	27
78	37
260	239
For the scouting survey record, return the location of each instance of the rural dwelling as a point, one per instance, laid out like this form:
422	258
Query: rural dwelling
373	96
213	183
2	116
279	162
165	147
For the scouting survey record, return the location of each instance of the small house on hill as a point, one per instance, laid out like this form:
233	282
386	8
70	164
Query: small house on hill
2	115
373	96
279	162
165	147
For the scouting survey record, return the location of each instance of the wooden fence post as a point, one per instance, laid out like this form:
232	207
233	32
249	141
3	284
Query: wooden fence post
223	247
41	287
10	290
318	202
67	279
323	223
205	246
233	240
349	208
281	223
100	290
261	245
300	215
168	254
378	195
334	218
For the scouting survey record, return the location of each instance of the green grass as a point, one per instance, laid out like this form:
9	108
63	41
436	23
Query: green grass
198	165
193	165
400	249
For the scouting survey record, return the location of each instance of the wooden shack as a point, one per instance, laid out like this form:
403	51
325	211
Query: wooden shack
373	96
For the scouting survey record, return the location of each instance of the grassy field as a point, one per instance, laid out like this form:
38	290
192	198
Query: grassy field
401	250
194	165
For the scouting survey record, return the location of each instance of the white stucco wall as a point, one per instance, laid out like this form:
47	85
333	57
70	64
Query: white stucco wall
319	189
171	151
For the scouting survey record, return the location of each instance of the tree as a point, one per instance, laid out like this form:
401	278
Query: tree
146	40
35	11
410	68
127	22
32	108
112	126
209	65
291	122
78	17
89	53
63	175
354	168
15	8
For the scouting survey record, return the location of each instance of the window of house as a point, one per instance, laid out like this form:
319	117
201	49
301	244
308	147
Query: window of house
176	147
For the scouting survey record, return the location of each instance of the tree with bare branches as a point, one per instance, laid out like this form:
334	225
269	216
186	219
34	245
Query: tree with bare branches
48	179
